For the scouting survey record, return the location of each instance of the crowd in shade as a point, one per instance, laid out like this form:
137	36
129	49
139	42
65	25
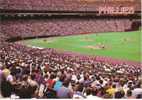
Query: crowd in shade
27	72
65	5
62	26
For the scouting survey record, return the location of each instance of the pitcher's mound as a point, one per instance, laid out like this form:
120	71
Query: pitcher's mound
96	47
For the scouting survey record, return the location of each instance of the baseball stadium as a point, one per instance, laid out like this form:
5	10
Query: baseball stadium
70	49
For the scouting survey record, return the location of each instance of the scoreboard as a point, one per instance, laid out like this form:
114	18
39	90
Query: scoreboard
114	7
116	10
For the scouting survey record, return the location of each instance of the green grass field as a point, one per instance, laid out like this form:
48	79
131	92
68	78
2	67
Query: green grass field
121	45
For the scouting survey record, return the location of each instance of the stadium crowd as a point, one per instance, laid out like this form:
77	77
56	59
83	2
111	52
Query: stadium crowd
62	26
64	5
27	72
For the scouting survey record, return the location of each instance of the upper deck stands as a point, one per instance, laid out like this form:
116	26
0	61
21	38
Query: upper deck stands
66	5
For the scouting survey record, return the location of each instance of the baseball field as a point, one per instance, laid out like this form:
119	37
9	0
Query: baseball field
119	45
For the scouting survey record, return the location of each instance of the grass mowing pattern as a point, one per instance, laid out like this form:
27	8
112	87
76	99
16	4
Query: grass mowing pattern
121	45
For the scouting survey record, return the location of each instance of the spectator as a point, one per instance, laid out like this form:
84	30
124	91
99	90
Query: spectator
129	95
89	94
79	92
64	91
58	83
